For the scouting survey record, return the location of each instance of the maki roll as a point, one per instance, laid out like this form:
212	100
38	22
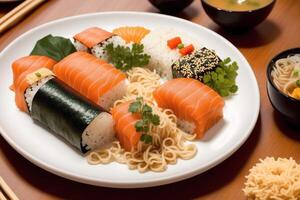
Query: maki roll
21	68
94	40
196	64
197	106
93	78
52	103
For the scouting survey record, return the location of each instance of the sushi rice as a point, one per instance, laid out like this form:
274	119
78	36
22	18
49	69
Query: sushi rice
117	92
98	50
162	57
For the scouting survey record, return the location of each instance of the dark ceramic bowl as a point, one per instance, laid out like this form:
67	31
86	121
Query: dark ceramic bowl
171	6
237	20
284	104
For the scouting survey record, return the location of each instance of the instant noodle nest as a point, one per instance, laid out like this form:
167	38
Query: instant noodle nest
272	179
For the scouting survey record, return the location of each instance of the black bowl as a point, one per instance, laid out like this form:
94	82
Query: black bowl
237	20
171	6
284	104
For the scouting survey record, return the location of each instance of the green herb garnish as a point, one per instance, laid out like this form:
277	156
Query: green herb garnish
295	72
147	118
124	58
54	47
38	74
180	46
298	83
223	78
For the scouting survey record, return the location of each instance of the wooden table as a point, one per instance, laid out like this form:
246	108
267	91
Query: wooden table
270	137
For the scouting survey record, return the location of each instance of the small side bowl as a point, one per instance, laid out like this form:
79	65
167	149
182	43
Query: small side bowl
171	6
287	106
237	20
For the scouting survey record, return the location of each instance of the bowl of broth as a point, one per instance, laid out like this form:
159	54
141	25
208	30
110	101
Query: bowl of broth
238	15
283	84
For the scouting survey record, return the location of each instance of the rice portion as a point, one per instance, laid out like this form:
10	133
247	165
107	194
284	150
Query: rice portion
80	47
99	133
274	179
107	100
186	126
162	57
33	89
98	50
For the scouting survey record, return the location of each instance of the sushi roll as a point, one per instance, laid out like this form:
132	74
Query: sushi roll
94	40
196	64
21	68
197	106
52	103
93	78
125	126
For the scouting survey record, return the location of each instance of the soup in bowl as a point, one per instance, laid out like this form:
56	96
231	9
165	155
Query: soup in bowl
283	84
238	15
239	5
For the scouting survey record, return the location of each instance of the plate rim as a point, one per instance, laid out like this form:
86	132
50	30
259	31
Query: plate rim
137	183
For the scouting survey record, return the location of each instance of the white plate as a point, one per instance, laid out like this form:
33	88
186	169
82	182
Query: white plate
52	154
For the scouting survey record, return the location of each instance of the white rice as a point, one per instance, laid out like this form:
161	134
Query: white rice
80	47
32	90
107	100
162	57
99	133
186	126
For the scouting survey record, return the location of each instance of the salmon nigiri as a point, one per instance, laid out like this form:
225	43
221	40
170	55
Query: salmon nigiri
94	40
93	78
131	33
23	67
197	106
124	125
92	36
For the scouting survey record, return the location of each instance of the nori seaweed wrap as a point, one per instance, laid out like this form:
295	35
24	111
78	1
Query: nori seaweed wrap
196	64
69	114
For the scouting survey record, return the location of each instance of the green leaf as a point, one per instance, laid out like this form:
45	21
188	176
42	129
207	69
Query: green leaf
135	107
139	126
54	47
124	58
223	78
155	120
146	108
298	83
146	138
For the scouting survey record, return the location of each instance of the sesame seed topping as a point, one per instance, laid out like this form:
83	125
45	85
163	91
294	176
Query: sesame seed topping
195	65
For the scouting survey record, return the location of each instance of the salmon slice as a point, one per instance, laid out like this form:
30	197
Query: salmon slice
92	36
131	33
125	126
88	75
21	68
191	101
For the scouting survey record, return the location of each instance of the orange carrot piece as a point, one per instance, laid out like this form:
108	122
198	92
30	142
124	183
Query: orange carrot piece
174	42
187	50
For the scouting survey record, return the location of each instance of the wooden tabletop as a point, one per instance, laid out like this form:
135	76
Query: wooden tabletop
270	137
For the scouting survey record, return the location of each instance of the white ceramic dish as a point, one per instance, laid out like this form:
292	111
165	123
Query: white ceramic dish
52	154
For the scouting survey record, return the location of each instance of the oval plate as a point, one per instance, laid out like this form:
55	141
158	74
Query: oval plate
52	154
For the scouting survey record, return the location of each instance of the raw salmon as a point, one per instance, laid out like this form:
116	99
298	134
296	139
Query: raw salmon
21	68
92	36
125	126
131	33
191	101
88	75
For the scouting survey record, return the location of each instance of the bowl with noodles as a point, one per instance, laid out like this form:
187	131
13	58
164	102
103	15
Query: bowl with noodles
283	84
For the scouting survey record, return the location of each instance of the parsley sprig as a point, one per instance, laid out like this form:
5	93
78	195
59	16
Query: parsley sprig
147	118
124	58
223	78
